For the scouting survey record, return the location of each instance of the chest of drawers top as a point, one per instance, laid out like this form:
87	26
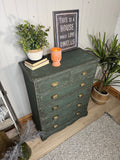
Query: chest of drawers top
70	60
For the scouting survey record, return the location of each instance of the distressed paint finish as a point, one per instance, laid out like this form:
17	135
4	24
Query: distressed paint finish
70	95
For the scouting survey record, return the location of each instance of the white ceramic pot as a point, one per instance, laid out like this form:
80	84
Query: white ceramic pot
35	55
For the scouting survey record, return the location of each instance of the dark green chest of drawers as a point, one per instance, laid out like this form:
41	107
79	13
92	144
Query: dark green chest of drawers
60	95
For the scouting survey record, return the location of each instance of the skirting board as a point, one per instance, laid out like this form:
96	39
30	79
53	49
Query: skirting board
110	89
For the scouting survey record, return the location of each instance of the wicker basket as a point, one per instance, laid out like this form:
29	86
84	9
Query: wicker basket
98	97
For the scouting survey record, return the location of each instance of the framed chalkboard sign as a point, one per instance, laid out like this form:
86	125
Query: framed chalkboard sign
66	26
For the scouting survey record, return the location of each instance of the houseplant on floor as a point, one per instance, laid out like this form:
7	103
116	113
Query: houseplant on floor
21	150
108	53
32	39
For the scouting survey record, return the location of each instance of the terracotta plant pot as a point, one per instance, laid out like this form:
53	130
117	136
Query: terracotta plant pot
98	97
35	55
56	56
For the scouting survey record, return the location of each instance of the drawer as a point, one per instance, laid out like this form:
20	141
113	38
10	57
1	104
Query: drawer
50	131
60	105
83	72
53	96
52	82
65	113
64	117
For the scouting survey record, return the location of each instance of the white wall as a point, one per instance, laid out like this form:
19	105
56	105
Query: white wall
95	16
117	31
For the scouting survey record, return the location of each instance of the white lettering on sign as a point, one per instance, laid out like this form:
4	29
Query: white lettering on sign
63	36
63	20
71	34
66	27
67	43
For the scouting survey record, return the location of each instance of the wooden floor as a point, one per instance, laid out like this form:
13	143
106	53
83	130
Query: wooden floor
40	148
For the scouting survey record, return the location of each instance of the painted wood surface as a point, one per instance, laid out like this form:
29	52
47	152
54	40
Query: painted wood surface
75	91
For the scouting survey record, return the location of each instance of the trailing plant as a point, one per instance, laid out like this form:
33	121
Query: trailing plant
108	53
32	37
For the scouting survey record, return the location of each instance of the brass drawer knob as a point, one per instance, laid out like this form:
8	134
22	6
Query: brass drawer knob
55	107
55	117
54	84
80	95
84	73
82	84
78	113
55	96
79	105
55	126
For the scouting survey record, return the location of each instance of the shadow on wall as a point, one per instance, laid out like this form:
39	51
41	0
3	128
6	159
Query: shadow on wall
8	35
16	89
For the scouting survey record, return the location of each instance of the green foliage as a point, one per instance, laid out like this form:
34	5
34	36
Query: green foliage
108	52
32	37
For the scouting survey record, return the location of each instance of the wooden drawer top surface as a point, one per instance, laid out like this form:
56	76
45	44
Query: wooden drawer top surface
70	59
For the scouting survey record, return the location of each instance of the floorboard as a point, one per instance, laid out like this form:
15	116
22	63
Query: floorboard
40	148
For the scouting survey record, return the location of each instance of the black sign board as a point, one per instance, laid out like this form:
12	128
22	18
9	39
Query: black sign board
66	24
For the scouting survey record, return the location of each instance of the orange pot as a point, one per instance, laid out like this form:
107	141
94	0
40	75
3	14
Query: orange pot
56	56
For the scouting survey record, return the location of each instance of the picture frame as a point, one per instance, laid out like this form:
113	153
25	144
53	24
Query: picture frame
66	28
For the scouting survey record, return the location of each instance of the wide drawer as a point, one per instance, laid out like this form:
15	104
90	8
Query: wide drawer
56	107
63	114
72	112
53	96
52	82
52	130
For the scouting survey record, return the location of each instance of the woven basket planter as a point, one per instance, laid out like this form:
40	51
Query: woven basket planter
98	97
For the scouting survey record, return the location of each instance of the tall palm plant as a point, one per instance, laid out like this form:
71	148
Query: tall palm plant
108	53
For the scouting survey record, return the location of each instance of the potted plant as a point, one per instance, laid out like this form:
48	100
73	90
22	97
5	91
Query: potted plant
108	53
20	150
32	39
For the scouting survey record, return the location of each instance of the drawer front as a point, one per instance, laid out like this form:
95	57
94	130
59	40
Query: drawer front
52	82
83	72
53	96
66	113
57	107
63	117
48	132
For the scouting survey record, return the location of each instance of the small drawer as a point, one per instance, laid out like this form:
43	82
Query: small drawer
83	72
